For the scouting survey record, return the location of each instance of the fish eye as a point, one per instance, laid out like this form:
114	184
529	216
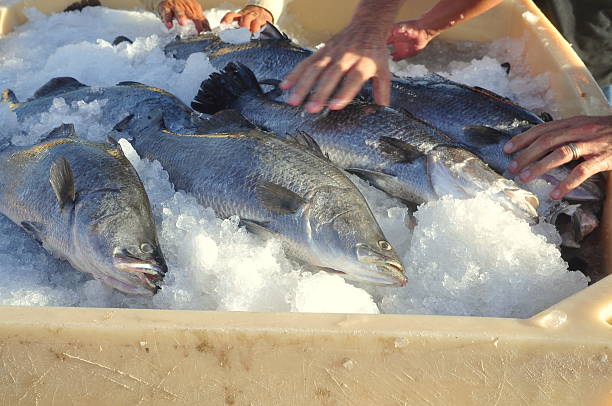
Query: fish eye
384	245
146	248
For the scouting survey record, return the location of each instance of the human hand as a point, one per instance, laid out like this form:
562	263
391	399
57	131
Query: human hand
182	11
409	38
549	145
352	57
251	17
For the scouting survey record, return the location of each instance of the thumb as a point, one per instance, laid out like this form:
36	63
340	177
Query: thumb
229	17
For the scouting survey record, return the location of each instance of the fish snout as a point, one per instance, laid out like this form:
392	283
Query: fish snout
522	202
150	271
386	270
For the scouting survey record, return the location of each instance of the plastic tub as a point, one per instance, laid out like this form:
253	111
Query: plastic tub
562	356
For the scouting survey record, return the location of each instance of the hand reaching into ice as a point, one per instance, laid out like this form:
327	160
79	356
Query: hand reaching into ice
549	145
183	11
409	38
251	17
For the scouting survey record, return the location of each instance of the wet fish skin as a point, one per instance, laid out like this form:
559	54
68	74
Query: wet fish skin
85	203
119	101
277	188
401	155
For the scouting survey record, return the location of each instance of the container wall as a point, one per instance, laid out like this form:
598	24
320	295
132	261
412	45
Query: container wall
563	356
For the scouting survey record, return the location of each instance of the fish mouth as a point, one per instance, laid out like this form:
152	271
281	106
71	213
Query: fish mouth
381	270
396	270
146	273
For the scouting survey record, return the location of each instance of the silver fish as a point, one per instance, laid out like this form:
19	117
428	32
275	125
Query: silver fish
122	99
278	188
400	155
84	203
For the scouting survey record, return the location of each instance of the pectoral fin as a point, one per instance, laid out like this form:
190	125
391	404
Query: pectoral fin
278	199
257	228
480	135
33	228
397	150
62	182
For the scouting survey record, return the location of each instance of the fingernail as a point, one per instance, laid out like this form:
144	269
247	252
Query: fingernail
524	176
183	21
556	194
336	104
284	85
168	25
513	166
508	147
312	107
293	100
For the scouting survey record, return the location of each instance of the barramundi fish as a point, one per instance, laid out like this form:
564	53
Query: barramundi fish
277	188
477	118
84	203
399	154
121	100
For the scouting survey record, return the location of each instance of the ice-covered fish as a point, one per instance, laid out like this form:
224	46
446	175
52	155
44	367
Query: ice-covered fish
122	99
400	155
85	203
278	188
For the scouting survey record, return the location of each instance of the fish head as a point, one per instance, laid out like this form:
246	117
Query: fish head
115	240
346	237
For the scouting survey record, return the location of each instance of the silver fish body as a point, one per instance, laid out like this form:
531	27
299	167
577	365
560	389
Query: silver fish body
278	189
401	155
118	101
85	203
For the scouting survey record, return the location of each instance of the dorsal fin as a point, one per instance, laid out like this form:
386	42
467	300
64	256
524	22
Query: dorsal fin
118	40
58	86
307	142
62	131
62	182
130	83
271	32
225	121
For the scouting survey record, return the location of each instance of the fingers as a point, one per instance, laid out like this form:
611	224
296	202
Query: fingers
327	83
558	157
182	11
166	15
257	24
520	141
201	25
582	172
230	17
304	77
382	88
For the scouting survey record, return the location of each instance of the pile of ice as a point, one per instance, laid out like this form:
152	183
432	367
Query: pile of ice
464	257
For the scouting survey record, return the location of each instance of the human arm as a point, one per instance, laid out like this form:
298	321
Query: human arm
547	146
411	36
353	56
181	10
256	14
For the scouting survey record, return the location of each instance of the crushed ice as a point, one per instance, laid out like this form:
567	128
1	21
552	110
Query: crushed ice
462	257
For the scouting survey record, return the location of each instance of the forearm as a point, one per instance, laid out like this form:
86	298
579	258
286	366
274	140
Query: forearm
274	7
375	17
447	13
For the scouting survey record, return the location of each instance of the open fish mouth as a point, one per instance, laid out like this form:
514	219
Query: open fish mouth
150	273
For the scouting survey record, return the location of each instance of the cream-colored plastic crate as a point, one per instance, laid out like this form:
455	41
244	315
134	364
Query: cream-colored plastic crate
562	356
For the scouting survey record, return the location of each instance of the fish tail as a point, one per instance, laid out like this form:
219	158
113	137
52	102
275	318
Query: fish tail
9	97
221	90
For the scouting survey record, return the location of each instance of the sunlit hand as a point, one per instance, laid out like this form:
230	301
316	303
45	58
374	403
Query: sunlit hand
251	17
408	38
183	11
349	59
549	145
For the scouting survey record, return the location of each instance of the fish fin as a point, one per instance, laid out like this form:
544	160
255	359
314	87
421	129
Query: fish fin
271	32
375	178
278	199
8	96
506	66
257	228
397	150
546	116
112	141
118	40
270	82
62	182
225	121
130	83
220	90
480	135
62	131
58	86
80	5
123	124
34	228
307	142
492	94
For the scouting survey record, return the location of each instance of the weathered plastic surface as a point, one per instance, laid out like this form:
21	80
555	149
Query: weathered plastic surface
562	356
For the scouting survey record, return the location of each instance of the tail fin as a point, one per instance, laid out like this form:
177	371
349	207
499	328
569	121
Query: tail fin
271	32
9	97
220	90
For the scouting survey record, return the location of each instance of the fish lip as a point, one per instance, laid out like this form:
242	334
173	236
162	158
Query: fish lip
396	269
149	272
